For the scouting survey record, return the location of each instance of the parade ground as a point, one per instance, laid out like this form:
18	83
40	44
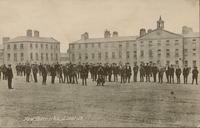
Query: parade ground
131	104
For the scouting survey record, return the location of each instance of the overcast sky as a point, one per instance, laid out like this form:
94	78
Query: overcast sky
66	20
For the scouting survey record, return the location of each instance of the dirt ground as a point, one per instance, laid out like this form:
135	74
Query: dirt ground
135	104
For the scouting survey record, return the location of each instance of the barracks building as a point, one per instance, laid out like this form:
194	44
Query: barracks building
31	49
152	46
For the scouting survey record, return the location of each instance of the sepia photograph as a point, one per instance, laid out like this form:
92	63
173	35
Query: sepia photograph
99	63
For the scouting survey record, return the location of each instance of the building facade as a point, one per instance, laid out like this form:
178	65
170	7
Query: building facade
152	46
1	54
31	49
64	58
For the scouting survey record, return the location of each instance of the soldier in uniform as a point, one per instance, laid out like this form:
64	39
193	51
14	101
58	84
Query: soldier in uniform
128	72
135	72
171	74
148	72
178	74
154	71
142	73
84	74
100	77
109	72
9	74
167	72
44	74
195	75
28	72
160	74
115	72
185	74
53	73
35	71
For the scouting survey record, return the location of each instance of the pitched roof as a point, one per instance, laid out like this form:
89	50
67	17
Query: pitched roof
33	39
159	33
193	34
111	39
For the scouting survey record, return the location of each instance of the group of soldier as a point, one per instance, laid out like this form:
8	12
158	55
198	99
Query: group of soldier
100	73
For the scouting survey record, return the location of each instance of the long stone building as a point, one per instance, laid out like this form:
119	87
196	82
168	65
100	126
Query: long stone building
153	46
31	49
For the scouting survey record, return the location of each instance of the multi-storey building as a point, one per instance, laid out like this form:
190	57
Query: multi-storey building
1	54
157	46
31	49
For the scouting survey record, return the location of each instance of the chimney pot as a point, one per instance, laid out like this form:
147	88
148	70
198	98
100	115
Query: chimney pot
29	33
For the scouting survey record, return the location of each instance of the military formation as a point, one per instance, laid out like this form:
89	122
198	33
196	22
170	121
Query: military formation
99	73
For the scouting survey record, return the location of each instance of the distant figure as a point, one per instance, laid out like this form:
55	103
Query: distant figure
35	71
135	72
195	75
28	72
44	75
185	74
178	74
9	75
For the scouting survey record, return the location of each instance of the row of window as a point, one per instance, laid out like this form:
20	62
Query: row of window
21	46
36	58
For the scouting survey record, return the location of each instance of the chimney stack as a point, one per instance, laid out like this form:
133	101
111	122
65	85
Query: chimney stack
107	34
142	32
115	34
36	33
85	36
29	33
186	30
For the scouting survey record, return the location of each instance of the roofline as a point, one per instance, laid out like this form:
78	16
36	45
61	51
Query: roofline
159	29
30	41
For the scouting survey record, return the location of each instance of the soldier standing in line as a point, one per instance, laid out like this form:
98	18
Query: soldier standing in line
27	71
115	72
171	74
135	72
185	74
167	73
160	74
100	77
178	74
84	74
154	71
128	72
9	74
148	72
195	75
142	73
35	71
109	72
44	74
53	73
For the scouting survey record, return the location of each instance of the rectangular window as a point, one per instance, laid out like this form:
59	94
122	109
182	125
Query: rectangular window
194	62
51	46
113	55
46	46
31	46
86	45
185	52
150	53
47	56
8	56
21	46
41	46
92	45
8	46
42	56
22	56
177	62
36	46
127	44
15	46
193	39
79	56
93	55
106	55
36	56
73	57
79	46
135	54
15	56
141	53
134	45
127	55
